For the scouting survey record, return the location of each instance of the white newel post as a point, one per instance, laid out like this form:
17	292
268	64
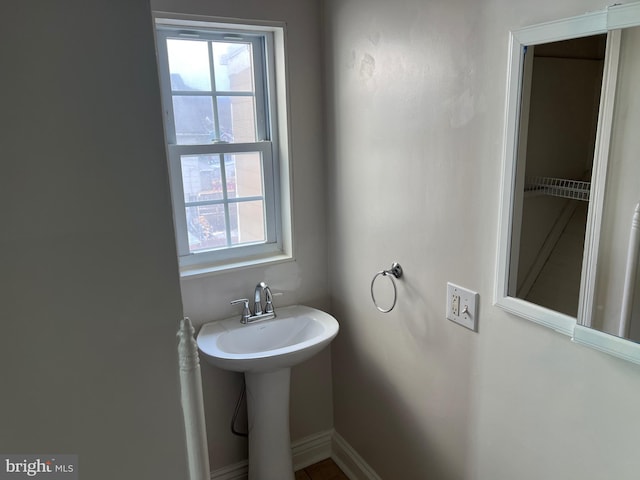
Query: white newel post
192	403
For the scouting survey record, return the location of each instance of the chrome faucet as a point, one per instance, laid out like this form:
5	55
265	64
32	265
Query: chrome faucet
257	299
258	312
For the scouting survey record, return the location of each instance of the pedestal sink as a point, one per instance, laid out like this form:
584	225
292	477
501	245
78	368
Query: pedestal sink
265	351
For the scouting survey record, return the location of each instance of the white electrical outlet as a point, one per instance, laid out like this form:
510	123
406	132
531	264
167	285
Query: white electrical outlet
462	306
455	304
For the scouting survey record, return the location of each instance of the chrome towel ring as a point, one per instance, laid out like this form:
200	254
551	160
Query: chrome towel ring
394	271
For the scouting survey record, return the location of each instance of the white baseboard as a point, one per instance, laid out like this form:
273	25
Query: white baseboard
310	450
352	464
305	451
237	471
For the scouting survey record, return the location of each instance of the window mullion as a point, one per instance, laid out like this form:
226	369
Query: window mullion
214	98
234	93
203	203
215	148
195	93
225	197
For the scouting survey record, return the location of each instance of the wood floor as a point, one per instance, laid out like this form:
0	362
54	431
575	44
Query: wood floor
324	470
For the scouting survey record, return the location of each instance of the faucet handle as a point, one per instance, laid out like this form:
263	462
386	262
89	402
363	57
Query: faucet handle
268	300
246	313
269	308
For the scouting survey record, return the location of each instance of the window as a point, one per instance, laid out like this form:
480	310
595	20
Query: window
219	102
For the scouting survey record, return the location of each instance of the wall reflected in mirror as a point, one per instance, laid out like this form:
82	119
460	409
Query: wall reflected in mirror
621	197
561	85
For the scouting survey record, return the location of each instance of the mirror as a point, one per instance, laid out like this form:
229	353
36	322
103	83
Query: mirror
569	196
560	101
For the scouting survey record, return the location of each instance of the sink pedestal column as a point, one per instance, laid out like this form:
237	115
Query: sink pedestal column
268	418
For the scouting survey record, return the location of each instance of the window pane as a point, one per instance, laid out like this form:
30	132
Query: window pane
189	65
233	66
194	120
244	175
216	81
247	222
201	177
237	117
206	227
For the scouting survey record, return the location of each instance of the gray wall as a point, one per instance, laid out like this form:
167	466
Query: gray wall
89	291
415	120
301	281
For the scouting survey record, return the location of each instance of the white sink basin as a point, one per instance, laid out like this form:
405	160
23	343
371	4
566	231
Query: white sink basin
295	335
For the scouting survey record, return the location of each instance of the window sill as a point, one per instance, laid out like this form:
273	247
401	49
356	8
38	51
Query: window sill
199	271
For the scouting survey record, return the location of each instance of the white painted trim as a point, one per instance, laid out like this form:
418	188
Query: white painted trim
311	449
205	21
623	16
599	179
509	152
236	471
352	464
520	153
549	318
305	451
616	346
240	265
591	23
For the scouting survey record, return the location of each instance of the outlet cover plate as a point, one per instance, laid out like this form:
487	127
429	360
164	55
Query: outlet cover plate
462	306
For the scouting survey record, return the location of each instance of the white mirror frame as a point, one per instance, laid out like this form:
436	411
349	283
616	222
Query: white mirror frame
609	20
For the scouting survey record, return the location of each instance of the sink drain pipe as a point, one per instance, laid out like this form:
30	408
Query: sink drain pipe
243	393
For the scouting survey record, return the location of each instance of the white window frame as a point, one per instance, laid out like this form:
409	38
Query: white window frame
272	140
